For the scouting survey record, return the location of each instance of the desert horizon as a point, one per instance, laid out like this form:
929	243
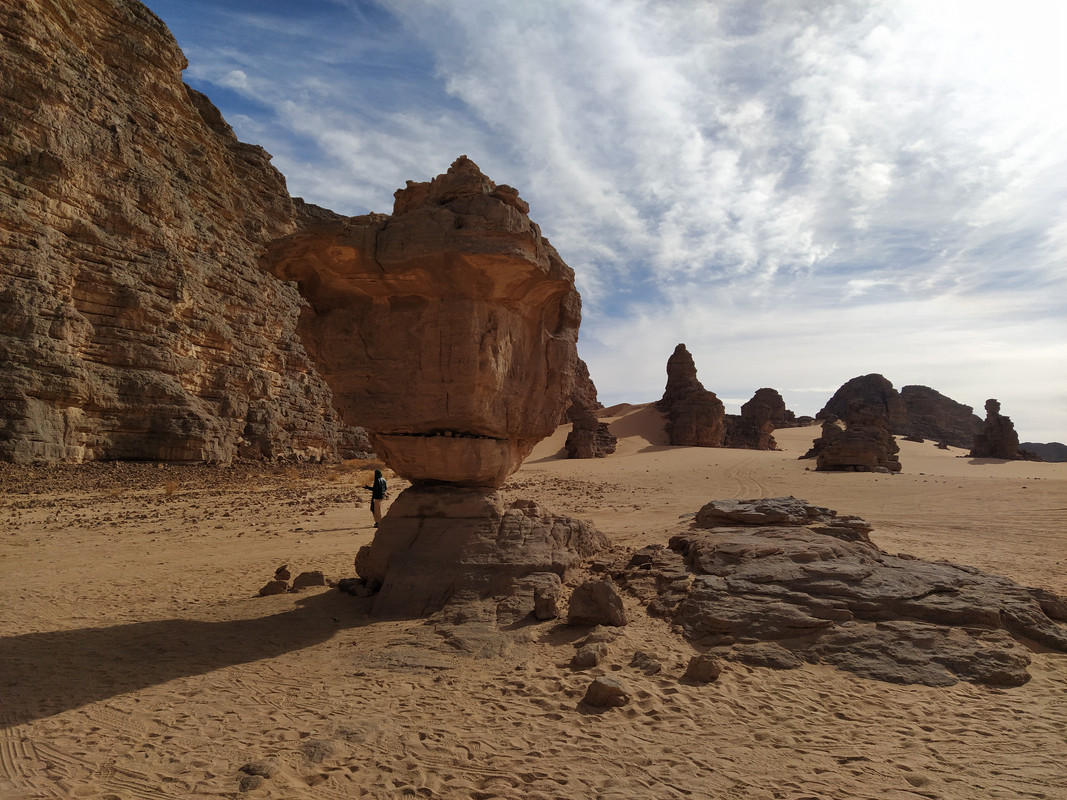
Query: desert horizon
140	662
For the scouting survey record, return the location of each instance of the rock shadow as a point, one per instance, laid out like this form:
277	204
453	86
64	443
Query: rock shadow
46	673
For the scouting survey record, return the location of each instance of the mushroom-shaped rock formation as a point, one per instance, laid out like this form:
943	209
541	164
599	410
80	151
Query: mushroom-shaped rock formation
447	329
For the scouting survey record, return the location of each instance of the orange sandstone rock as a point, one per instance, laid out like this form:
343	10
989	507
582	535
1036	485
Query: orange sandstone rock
447	329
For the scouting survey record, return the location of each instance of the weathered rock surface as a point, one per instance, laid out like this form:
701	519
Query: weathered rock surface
784	571
589	438
931	415
754	428
605	692
695	416
596	603
134	322
998	438
445	544
863	445
447	329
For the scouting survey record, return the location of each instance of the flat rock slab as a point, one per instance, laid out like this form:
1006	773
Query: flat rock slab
812	581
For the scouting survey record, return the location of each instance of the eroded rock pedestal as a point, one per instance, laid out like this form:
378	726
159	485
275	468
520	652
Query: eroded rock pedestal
448	330
444	544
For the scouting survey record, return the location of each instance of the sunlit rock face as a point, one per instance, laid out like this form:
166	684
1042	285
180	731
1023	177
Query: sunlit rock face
447	329
134	321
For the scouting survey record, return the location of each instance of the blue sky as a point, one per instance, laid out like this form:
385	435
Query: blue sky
802	192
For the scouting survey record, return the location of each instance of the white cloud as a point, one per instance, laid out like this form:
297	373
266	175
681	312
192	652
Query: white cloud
811	191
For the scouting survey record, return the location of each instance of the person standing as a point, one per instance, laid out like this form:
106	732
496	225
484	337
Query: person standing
377	494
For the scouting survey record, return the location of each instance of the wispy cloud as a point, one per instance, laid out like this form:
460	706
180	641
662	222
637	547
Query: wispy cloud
814	189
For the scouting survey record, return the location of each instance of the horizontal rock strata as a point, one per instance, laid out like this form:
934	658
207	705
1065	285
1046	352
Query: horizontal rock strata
134	323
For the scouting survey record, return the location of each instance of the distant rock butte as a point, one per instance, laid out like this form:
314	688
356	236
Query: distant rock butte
864	444
134	322
931	415
1047	451
916	412
448	329
998	438
873	391
759	417
695	416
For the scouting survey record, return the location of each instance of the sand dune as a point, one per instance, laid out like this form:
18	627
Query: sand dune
136	662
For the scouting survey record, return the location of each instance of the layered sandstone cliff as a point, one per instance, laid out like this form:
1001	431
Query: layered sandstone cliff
134	322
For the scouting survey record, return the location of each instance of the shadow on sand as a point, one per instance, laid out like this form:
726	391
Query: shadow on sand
42	674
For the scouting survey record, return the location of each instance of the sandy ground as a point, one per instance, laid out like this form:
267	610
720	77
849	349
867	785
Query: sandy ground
136	660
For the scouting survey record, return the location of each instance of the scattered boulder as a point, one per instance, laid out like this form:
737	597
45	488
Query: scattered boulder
282	573
782	571
596	603
274	587
998	438
695	416
703	668
644	662
589	655
606	692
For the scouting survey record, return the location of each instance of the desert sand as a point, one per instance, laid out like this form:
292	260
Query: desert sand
136	660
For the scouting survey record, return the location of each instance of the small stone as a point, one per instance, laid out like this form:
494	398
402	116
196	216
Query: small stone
645	663
274	587
589	655
703	668
282	573
606	692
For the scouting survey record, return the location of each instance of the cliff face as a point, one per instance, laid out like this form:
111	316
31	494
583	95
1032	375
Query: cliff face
934	416
134	322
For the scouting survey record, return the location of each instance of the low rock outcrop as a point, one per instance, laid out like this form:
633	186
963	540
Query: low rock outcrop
695	416
786	572
447	329
134	322
998	438
864	444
